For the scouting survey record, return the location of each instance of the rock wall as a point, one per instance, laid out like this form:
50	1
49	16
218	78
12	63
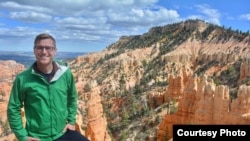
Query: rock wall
97	124
245	68
193	51
204	103
8	72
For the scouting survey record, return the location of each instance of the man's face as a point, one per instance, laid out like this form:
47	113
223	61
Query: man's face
44	51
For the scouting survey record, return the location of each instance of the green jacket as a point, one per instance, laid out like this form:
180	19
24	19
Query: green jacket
48	106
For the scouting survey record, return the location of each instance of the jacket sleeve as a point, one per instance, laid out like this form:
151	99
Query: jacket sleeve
72	99
14	111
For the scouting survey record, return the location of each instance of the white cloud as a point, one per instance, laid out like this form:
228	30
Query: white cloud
16	34
245	17
99	21
143	17
18	7
30	16
209	14
69	7
86	20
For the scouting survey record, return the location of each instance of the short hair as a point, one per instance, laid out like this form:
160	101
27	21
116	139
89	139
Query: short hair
44	36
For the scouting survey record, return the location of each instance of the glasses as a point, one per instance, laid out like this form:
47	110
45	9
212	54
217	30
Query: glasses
47	48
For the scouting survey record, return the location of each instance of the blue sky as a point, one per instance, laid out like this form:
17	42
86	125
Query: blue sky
92	25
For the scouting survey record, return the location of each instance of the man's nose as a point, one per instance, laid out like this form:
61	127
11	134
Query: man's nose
44	49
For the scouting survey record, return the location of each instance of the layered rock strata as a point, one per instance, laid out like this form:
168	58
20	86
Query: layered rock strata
203	102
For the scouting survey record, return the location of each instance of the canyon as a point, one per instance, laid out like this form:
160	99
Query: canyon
140	86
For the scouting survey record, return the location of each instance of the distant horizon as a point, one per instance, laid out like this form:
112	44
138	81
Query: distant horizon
27	57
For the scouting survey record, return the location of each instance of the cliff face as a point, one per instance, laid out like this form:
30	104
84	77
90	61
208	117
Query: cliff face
202	102
8	71
97	123
195	51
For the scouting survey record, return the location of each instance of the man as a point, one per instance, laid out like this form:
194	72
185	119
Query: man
48	94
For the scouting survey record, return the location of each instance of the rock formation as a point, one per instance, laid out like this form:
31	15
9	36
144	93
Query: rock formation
204	103
97	124
9	70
